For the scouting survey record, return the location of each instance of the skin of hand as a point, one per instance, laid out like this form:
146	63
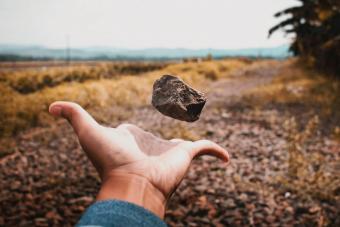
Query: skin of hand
134	165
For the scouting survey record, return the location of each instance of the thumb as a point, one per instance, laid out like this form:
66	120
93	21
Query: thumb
78	117
207	147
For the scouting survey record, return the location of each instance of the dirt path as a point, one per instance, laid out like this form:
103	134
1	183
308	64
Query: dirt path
244	80
219	93
49	181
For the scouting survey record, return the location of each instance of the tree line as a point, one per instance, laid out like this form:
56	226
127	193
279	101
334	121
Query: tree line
316	28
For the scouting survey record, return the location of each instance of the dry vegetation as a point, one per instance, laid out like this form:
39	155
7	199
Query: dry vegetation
301	88
281	134
26	94
311	174
30	80
311	103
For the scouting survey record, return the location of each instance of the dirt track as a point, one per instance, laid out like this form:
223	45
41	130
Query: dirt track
49	181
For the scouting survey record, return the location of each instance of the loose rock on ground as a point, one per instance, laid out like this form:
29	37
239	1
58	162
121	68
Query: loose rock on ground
49	181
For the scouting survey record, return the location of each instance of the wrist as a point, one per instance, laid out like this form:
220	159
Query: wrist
134	189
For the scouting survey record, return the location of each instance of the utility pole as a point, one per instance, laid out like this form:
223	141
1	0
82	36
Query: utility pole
68	50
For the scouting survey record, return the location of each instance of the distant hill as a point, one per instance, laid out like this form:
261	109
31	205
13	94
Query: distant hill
40	52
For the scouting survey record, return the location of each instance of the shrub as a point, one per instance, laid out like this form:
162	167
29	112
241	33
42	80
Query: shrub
310	173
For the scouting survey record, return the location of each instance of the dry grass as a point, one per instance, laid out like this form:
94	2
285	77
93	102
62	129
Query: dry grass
20	111
34	79
298	86
311	174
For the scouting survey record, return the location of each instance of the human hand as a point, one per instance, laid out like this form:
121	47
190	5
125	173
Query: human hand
134	165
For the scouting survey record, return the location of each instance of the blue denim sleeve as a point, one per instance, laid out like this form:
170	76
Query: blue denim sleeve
117	213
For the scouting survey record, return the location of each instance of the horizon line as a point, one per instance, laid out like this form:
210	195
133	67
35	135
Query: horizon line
141	48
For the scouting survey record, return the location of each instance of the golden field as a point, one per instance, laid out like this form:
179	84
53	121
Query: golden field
26	94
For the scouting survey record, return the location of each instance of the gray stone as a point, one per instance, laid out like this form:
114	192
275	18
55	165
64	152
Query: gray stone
173	98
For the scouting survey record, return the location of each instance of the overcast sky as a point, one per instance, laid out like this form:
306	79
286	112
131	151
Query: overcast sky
195	24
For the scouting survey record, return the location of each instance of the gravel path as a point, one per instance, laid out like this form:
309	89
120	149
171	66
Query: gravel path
49	182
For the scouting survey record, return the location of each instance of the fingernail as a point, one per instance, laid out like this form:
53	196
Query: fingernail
55	110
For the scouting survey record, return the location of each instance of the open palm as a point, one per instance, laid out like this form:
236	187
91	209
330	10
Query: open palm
131	150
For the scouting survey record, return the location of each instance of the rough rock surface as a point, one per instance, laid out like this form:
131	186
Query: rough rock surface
173	98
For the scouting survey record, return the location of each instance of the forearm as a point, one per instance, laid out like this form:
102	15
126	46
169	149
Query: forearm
134	189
